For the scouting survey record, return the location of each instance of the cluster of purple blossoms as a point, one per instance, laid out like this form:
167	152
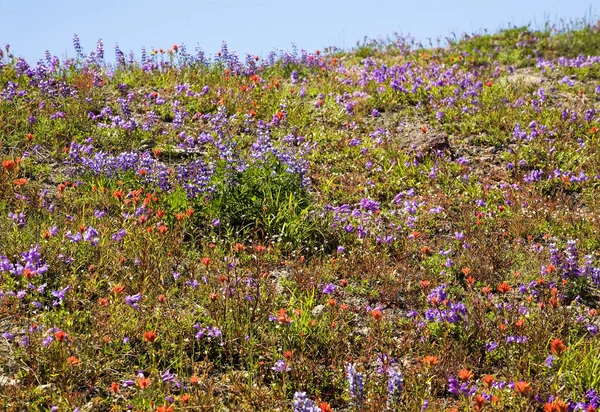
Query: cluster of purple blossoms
303	404
281	367
209	332
568	266
356	384
31	264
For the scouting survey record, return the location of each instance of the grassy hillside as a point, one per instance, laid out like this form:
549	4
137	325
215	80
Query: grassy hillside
394	227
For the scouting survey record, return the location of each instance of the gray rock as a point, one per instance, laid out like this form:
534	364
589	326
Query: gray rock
318	311
427	142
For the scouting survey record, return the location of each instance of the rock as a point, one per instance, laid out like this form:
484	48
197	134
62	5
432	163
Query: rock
528	79
176	153
318	311
280	277
427	142
147	144
7	381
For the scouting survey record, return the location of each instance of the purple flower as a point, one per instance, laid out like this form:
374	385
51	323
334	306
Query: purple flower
303	404
328	289
133	300
356	383
281	367
395	386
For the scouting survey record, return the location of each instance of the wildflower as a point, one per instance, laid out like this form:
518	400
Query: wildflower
150	336
205	261
557	347
165	408
114	387
281	367
20	182
60	336
395	386
303	404
328	289
556	406
194	381
430	360
479	402
356	383
185	398
8	165
282	317
377	314
504	287
325	407
133	300
72	360
465	375
522	387
488	380
144	383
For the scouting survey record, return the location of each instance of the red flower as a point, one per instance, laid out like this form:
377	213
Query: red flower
324	406
144	383
504	287
150	336
282	317
60	336
465	375
488	380
21	182
205	261
118	194
430	360
479	402
8	165
557	347
523	387
377	315
114	387
73	360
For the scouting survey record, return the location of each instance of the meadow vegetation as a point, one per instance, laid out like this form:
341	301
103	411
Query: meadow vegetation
400	227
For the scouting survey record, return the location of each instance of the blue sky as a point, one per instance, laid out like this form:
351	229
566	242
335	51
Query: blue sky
258	26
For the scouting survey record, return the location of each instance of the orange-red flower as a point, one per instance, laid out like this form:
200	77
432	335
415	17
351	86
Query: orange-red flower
522	387
8	165
150	336
72	360
144	383
165	408
282	317
21	182
114	387
479	402
205	261
194	381
185	398
430	360
324	406
488	380
504	287
557	347
377	315
60	336
556	406
465	375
